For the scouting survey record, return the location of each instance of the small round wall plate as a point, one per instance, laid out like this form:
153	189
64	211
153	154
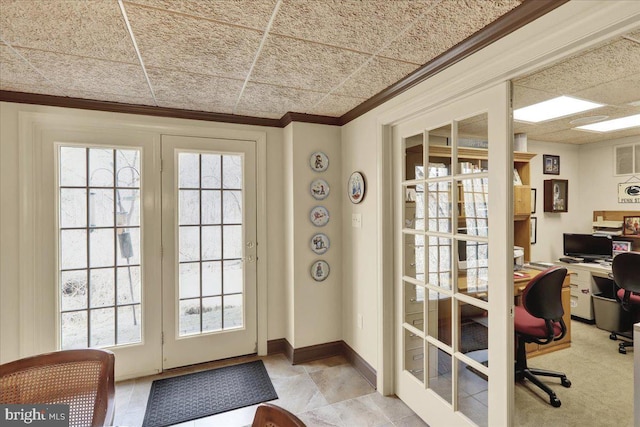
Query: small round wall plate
319	189
320	243
319	216
319	161
356	187
320	270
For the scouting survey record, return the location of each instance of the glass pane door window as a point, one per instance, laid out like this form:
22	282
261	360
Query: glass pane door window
210	270
99	229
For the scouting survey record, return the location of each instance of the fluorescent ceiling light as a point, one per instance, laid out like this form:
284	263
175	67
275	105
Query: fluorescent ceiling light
553	108
615	124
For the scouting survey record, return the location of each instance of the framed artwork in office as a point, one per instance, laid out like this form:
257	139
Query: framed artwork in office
534	230
533	200
556	194
631	226
550	164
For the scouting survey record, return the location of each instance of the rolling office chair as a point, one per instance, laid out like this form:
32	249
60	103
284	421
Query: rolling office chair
539	320
626	274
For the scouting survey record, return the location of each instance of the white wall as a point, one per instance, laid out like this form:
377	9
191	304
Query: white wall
10	202
548	246
317	306
592	186
599	185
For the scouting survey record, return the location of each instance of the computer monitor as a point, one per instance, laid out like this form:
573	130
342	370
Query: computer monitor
588	246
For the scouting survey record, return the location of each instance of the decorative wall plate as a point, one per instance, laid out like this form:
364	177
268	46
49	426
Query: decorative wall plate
319	161
320	243
356	187
319	189
319	216
320	270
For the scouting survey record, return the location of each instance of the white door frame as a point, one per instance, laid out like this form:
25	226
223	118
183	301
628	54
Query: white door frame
568	29
35	311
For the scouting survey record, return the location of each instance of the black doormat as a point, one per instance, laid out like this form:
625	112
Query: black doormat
201	394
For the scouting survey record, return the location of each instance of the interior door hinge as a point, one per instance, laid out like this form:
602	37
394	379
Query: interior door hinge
163	338
161	165
511	313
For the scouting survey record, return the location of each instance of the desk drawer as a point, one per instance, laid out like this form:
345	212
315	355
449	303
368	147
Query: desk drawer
581	277
581	305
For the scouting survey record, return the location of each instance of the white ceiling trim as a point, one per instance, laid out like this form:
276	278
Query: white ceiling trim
259	51
135	46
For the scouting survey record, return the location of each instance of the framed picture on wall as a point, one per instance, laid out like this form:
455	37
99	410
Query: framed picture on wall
533	200
550	164
631	226
534	229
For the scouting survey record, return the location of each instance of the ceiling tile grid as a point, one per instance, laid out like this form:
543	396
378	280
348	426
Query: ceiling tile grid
264	58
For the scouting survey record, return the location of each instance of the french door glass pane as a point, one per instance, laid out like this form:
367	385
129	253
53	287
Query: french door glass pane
210	243
99	246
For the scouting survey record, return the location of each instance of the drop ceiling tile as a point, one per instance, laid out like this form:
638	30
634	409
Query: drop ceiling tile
617	92
304	65
634	35
262	114
444	26
32	88
94	29
197	89
16	70
524	96
376	75
277	99
111	97
612	61
88	74
571	136
191	106
335	105
180	42
363	26
230	12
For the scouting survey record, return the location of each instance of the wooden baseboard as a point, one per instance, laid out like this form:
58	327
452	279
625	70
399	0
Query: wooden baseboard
323	351
360	365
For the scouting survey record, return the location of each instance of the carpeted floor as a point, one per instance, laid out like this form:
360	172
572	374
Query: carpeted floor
601	393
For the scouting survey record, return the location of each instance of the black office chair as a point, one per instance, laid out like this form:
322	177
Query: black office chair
626	275
539	320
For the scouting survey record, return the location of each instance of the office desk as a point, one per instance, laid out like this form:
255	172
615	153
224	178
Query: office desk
583	285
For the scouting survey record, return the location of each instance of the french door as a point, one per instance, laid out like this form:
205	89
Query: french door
159	296
453	261
104	246
209	249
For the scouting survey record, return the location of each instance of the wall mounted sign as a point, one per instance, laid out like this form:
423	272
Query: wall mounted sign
320	243
319	189
320	270
319	161
356	187
319	216
629	192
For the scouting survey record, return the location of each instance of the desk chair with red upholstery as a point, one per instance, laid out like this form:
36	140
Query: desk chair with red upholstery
626	274
539	320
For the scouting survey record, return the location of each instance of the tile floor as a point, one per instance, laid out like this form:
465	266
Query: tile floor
328	392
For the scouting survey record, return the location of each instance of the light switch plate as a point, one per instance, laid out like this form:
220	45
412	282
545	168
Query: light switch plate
356	220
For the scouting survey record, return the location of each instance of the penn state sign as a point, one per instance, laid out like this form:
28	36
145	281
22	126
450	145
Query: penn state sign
629	192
